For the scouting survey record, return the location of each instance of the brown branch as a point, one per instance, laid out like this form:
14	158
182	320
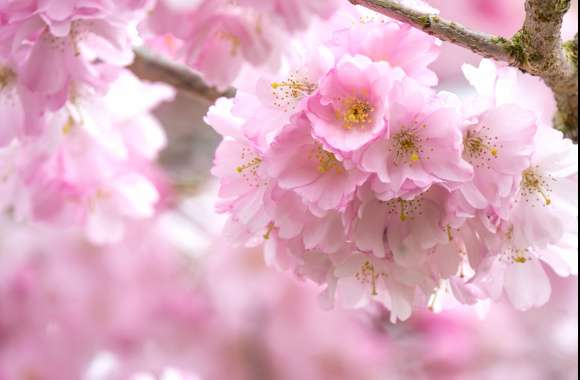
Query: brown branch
537	49
545	56
155	68
485	45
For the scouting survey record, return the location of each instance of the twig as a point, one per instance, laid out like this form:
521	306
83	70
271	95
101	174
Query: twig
155	68
485	45
537	49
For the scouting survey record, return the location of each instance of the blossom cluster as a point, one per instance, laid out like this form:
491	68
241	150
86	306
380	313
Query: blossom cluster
360	176
77	142
218	38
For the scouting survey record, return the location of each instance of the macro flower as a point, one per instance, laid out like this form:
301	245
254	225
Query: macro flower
300	163
348	110
270	103
499	145
547	203
384	40
424	146
244	183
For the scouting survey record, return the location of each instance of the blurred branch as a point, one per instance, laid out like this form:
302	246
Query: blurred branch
155	68
536	49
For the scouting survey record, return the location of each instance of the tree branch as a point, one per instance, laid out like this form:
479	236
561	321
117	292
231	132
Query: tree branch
486	45
537	49
155	68
545	56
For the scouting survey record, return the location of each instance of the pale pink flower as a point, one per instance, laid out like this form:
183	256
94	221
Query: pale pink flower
292	218
362	279
498	85
300	163
424	146
348	111
499	145
268	104
389	41
244	183
519	274
409	228
519	271
547	203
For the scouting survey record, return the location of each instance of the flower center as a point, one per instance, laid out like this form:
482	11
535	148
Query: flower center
406	210
357	113
268	234
516	256
406	147
287	93
480	149
533	183
249	170
368	275
326	160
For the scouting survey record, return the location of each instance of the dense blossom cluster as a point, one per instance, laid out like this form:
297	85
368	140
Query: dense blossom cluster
358	175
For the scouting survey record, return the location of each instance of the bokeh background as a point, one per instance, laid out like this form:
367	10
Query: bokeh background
176	301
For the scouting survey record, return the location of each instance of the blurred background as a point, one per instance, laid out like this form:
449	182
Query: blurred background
174	301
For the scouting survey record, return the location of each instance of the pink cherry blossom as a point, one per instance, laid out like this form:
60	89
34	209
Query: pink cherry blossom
385	40
499	145
269	104
244	183
547	204
362	279
424	146
348	110
298	162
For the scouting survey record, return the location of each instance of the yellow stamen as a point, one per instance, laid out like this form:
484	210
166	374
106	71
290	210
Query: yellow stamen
450	233
403	214
253	164
477	146
532	182
269	230
68	126
327	161
368	275
357	113
406	147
